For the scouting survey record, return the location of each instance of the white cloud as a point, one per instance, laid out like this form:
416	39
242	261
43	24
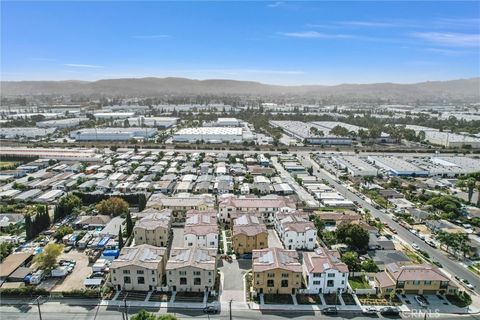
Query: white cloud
275	4
151	36
78	65
367	24
316	35
450	38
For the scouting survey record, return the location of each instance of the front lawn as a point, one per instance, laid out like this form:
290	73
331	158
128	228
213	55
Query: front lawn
277	299
358	283
331	299
348	299
460	300
160	297
308	299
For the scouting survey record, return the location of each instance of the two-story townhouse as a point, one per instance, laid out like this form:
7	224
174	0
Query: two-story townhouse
182	202
201	229
413	279
139	268
192	269
154	228
324	272
249	233
276	271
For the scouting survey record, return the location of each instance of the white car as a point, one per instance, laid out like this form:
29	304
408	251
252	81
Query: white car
415	246
421	301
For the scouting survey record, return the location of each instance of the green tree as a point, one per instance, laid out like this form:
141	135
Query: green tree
129	224
65	206
28	227
47	260
120	238
353	235
113	206
62	232
369	266
144	315
350	258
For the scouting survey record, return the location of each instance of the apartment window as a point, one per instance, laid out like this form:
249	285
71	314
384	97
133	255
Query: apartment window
183	280
290	241
196	273
170	272
153	271
258	275
190	244
212	243
140	280
182	273
209	273
261	243
140	272
141	238
284	284
113	270
271	275
310	240
317	275
126	271
209	280
416	282
284	275
197	281
153	279
126	280
400	284
331	275
330	283
316	282
114	279
343	281
428	282
270	283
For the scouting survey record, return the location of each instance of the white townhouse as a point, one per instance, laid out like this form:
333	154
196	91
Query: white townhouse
324	272
295	230
201	229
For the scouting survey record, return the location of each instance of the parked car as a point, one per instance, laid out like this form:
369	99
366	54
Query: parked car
330	310
431	244
389	311
415	246
468	284
370	310
421	301
210	310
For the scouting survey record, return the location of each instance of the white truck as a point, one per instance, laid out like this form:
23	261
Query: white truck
59	272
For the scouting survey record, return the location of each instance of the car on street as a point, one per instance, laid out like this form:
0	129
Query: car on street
431	243
210	310
468	284
389	311
415	246
370	310
330	310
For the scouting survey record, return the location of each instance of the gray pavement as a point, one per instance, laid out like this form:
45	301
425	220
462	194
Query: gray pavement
273	239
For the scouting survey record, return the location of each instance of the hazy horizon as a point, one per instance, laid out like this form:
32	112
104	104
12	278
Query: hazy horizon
279	43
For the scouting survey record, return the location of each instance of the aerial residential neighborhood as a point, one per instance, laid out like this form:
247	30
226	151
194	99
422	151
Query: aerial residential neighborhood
167	160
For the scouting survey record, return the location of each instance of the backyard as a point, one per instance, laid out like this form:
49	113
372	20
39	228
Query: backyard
308	299
358	283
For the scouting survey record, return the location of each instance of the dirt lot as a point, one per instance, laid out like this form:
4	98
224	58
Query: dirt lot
82	270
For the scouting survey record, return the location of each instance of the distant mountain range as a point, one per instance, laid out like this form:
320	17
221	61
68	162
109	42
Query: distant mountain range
467	90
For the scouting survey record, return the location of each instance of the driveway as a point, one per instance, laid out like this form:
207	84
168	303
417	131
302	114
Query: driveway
178	240
233	281
273	239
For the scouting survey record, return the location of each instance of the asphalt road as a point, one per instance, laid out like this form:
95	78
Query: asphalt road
451	266
58	311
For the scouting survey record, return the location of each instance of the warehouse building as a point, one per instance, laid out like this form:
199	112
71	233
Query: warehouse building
209	135
446	139
25	132
397	166
61	123
155	122
355	166
113	115
112	134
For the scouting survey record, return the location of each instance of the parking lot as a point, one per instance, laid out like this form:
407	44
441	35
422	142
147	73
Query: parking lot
81	271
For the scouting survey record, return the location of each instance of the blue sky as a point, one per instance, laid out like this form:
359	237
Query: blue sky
271	42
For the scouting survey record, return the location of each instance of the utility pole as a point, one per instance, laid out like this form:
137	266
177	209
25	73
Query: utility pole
230	308
37	300
125	306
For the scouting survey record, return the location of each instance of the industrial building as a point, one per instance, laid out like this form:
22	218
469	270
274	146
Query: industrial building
304	133
112	134
113	115
355	166
397	166
61	123
156	122
446	139
25	132
209	135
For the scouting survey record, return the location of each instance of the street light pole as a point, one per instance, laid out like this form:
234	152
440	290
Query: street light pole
230	308
37	300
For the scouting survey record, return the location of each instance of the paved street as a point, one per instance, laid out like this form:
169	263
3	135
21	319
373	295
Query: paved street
451	266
